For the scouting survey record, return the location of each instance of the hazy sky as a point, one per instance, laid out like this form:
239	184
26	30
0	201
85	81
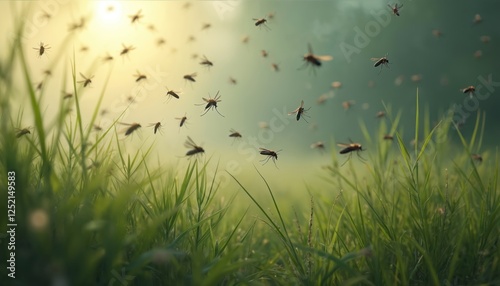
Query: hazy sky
350	31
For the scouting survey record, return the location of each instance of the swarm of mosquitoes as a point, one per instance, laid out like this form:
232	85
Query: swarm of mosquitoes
311	61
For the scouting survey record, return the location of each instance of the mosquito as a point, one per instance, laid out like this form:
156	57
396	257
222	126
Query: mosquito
140	76
206	26
264	53
211	104
156	126
107	58
86	80
126	49
171	93
22	132
348	148
261	23
132	127
190	77
206	62
275	67
395	9
136	17
182	121
478	158
300	111
388	137
315	61
232	80
195	149
235	134
270	155
42	48
470	90
383	61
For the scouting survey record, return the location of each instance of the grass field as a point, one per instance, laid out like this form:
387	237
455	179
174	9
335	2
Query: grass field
421	214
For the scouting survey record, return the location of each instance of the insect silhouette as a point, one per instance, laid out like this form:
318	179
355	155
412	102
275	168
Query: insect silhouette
22	132
348	104
41	49
270	155
97	128
171	93
136	17
182	121
235	134
139	76
107	58
195	149
211	104
206	26
86	80
126	49
395	9
132	127
300	111
232	80
160	41
315	61
206	62
380	114
349	148
264	53
156	126
261	23
190	77
383	61
388	137
470	90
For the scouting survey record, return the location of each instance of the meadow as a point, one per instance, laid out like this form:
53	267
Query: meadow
89	213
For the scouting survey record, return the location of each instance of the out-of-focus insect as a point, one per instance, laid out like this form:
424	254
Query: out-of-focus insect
160	41
195	149
136	17
47	72
320	145
45	15
322	99
182	121
336	84
97	128
416	78
485	39
371	84
261	22
190	77
437	33
270	155
347	104
388	137
151	27
77	25
22	132
264	53
383	61
191	39
245	39
478	54
380	114
186	5
263	125
271	15
232	80
67	95
478	158
107	58
399	80
171	93
211	104
132	127
139	76
41	49
310	59
126	49
206	62
156	126
470	90
300	111
234	134
84	49
348	148
477	19
39	85
395	9
86	80
206	26
275	67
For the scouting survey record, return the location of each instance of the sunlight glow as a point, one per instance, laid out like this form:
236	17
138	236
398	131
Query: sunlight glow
109	12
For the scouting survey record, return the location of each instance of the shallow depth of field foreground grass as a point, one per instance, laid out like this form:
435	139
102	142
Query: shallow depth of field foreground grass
88	213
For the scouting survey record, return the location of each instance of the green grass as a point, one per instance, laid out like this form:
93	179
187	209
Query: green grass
89	213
